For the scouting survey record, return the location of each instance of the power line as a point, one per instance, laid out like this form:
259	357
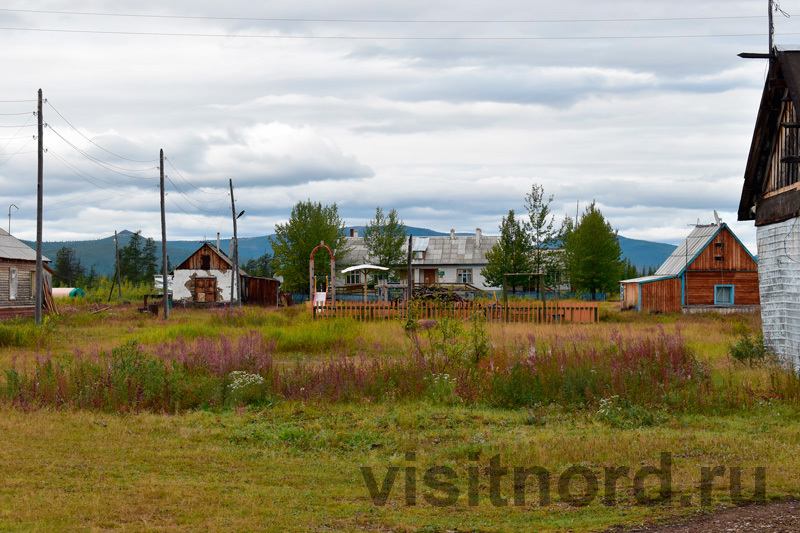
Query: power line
94	143
17	114
187	197
384	38
102	163
17	133
390	21
190	183
18	152
15	101
81	173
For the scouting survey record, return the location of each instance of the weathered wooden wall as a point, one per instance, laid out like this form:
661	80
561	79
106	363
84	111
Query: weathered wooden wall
724	253
700	287
663	296
261	291
630	298
195	261
24	294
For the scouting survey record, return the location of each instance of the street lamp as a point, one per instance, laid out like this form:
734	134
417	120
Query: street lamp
9	216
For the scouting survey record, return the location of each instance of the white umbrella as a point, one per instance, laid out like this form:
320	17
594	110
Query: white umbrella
364	267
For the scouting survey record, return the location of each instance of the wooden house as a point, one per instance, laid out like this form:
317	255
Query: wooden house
205	277
18	278
710	271
771	197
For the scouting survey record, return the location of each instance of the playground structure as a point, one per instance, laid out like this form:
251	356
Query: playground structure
320	299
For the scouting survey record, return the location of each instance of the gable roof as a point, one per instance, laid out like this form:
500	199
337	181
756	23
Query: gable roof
445	250
783	81
215	250
686	252
13	248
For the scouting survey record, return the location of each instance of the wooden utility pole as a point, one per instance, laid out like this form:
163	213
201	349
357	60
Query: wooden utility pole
39	207
235	274
117	278
410	280
163	237
771	27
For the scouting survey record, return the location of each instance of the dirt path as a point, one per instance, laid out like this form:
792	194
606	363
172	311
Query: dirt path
780	517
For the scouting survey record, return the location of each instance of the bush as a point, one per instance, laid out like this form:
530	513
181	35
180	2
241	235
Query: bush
750	349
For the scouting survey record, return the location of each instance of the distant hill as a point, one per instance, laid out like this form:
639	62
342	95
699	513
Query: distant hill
100	253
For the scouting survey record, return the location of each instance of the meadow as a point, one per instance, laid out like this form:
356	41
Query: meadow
267	419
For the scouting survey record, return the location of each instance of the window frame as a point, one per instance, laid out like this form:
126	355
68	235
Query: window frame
724	286
460	271
351	276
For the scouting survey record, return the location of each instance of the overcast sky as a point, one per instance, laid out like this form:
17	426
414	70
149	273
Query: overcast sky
452	132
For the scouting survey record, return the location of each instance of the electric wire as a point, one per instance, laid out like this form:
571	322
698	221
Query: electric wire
191	184
82	172
17	114
391	21
94	143
18	152
389	38
107	166
187	198
16	134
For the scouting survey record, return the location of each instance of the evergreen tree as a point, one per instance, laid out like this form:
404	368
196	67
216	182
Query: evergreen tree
69	270
510	254
150	262
130	259
293	242
593	254
384	237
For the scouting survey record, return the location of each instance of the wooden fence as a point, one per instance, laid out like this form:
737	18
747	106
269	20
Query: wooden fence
532	312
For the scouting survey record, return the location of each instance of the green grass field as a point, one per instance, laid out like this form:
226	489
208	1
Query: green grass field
292	457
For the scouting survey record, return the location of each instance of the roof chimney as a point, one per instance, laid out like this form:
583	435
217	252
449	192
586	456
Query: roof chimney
353	232
478	235
452	234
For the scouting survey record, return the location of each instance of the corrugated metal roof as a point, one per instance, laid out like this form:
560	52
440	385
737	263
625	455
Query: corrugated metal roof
420	244
684	254
444	250
13	248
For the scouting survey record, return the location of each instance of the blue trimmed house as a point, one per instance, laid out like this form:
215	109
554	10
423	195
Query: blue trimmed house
710	271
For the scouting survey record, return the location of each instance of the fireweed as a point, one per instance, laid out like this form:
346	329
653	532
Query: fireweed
622	380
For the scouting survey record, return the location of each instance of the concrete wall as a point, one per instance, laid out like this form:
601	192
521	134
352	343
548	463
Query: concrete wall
181	282
779	285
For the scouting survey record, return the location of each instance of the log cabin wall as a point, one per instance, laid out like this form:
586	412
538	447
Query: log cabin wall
662	296
724	252
206	258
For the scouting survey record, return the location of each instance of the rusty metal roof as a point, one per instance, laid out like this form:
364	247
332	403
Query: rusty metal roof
13	248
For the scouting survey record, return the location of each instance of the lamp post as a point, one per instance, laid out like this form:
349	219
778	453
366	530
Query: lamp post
9	216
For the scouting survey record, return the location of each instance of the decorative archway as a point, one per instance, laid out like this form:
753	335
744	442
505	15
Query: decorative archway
311	272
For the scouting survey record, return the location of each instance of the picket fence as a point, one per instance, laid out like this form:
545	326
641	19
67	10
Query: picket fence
531	312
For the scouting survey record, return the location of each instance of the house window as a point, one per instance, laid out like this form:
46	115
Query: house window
13	283
419	255
464	275
723	294
352	278
205	262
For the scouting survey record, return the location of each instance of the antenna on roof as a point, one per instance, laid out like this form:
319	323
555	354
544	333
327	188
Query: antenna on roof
716	218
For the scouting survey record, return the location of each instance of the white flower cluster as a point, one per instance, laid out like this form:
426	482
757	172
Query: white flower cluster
609	406
440	379
242	380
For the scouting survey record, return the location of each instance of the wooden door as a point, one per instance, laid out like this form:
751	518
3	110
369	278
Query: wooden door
429	276
206	289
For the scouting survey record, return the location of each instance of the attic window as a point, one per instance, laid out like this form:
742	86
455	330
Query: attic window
205	262
419	254
788	149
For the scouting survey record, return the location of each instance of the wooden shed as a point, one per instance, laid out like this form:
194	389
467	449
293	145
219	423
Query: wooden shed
261	291
204	277
18	278
710	271
771	197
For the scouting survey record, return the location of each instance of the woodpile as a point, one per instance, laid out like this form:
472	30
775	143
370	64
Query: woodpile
438	294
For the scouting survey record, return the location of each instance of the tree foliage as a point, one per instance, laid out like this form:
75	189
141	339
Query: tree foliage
384	237
293	242
510	254
138	260
544	238
69	270
259	266
592	253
